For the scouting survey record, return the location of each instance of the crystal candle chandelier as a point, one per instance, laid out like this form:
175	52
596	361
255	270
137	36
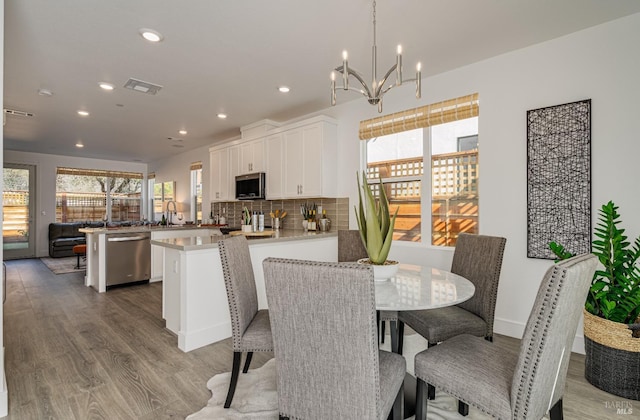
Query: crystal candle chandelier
376	91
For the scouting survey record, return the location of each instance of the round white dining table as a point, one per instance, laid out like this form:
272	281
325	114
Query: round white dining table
416	287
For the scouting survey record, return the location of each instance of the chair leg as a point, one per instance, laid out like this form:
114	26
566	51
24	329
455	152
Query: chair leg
489	338
393	331
463	408
431	391
247	362
237	355
400	325
556	411
397	411
382	331
421	400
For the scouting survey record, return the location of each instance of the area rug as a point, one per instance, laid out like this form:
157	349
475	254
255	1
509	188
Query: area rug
63	265
256	395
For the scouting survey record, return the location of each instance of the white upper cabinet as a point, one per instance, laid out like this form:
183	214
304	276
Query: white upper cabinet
219	182
252	157
309	156
234	170
274	167
299	160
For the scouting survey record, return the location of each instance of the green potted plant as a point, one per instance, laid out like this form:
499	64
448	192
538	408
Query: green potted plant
376	228
612	308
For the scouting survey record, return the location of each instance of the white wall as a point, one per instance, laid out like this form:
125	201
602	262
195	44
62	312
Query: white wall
600	63
177	168
45	196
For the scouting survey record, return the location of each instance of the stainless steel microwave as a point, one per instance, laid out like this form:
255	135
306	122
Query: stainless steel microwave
250	186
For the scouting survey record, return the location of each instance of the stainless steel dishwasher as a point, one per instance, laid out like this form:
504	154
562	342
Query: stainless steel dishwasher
128	258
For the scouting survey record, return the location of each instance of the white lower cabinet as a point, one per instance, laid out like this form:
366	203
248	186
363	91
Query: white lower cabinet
157	255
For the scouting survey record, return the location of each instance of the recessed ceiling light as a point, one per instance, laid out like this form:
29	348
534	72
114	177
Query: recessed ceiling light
183	132
222	116
79	145
284	89
106	86
151	35
83	113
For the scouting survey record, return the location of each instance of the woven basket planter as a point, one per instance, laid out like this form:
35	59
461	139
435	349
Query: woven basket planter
612	357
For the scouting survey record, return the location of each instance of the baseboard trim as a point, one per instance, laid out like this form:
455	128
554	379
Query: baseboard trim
195	339
4	391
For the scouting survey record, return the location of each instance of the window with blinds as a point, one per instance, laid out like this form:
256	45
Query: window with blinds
88	194
196	191
427	158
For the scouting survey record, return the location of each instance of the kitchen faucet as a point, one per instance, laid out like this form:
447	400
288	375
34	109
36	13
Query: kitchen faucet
170	214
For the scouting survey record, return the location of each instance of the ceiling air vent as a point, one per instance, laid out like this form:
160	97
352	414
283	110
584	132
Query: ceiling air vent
141	86
18	113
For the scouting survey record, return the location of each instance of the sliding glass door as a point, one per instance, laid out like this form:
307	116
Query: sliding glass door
18	205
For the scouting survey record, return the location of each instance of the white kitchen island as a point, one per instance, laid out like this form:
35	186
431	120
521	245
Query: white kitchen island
195	305
96	249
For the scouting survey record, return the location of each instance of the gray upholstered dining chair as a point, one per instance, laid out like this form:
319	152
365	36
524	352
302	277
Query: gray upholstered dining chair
504	383
479	259
328	364
350	248
250	327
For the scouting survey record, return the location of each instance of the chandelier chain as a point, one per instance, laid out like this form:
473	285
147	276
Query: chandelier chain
374	23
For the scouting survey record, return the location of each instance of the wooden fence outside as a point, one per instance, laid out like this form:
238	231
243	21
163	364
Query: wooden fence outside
454	204
70	207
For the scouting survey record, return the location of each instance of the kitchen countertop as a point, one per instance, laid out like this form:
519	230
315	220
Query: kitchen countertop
211	241
148	228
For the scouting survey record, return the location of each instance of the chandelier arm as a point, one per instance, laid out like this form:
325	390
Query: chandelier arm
381	94
365	94
404	81
384	80
358	76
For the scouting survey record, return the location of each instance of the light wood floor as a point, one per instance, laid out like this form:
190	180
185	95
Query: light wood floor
72	353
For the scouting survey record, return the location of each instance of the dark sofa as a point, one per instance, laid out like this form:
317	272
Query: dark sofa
64	236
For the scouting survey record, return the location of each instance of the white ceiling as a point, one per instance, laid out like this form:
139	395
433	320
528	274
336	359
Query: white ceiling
230	56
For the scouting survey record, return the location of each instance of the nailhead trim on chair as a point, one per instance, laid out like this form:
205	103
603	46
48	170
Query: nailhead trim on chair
233	305
236	334
521	405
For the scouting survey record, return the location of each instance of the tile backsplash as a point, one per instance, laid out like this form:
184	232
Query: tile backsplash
337	209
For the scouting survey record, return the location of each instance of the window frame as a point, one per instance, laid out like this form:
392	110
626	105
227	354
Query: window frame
108	176
426	199
195	194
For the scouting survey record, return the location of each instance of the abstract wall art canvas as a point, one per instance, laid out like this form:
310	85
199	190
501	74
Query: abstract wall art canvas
559	178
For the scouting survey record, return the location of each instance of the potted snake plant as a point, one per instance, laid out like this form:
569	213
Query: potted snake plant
612	308
376	224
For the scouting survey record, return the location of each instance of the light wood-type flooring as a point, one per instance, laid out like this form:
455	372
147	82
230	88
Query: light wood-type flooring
72	353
